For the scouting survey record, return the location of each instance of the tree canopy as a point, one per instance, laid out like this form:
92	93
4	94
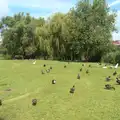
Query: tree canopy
86	30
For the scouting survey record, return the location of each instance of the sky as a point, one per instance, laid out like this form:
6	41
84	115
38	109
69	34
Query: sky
45	8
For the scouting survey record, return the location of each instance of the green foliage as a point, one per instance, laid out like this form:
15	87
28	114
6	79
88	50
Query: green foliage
84	31
112	57
18	57
117	58
7	57
109	58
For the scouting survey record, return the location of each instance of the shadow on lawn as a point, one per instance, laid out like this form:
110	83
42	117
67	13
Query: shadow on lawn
2	118
4	84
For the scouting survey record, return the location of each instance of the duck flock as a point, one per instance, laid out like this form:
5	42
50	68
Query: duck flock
72	89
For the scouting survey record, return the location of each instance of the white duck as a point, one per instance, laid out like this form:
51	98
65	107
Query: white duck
116	66
34	62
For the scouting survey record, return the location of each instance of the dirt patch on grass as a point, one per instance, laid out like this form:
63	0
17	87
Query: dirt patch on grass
3	84
17	98
8	89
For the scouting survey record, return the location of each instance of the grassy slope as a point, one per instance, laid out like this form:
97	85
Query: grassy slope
90	101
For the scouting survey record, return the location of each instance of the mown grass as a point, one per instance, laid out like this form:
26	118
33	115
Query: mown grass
89	102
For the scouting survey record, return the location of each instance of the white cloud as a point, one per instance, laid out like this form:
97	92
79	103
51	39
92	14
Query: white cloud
116	36
3	8
118	19
48	14
114	3
52	4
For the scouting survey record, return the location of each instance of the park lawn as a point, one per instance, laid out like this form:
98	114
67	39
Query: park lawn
89	102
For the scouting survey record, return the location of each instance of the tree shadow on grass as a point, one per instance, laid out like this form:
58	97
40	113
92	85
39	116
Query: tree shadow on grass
2	118
117	84
3	84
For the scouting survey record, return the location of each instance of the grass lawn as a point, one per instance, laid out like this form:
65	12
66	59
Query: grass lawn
89	102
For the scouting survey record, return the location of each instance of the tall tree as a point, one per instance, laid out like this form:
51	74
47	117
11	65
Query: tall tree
93	27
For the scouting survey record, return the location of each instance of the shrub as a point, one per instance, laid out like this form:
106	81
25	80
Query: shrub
109	58
18	57
7	57
112	57
117	58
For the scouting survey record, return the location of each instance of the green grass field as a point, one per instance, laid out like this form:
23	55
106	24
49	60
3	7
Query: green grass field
89	102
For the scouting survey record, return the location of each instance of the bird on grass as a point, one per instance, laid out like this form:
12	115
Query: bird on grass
78	76
44	65
115	73
53	81
87	71
109	87
80	69
118	81
34	102
108	78
72	90
42	72
0	102
65	66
